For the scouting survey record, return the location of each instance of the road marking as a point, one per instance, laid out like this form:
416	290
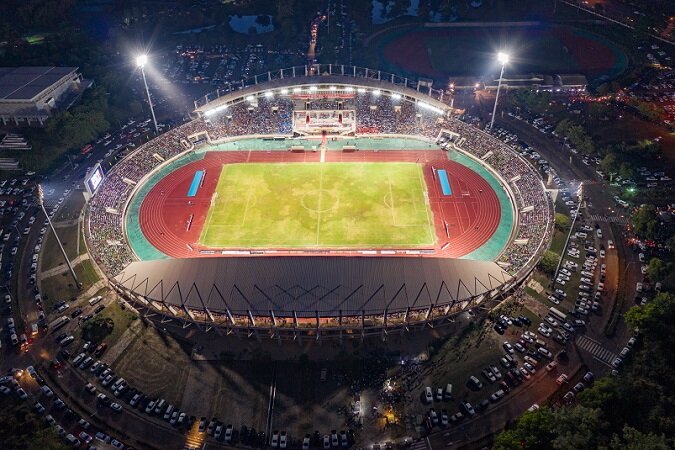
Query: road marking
609	219
596	349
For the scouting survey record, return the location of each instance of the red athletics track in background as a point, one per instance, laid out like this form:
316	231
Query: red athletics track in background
472	212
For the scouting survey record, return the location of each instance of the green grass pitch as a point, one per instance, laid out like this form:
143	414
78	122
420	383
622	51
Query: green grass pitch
305	205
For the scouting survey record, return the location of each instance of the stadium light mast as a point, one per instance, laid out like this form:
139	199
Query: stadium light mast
41	202
141	61
503	59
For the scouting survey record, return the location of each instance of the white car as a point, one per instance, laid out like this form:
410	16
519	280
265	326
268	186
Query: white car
428	395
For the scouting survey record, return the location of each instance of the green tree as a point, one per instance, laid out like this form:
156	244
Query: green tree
549	262
562	222
534	430
609	164
626	171
658	270
645	222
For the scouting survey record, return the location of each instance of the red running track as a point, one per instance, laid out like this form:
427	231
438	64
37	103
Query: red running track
472	212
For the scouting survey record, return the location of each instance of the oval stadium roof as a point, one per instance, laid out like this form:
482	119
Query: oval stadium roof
311	285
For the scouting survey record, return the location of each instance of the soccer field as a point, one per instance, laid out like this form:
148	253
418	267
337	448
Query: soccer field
309	205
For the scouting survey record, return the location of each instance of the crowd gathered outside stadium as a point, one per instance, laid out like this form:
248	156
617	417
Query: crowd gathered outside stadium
375	114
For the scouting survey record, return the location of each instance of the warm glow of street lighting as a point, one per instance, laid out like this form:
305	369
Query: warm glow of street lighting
503	58
141	60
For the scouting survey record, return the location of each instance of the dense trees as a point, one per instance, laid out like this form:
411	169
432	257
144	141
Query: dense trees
634	410
576	135
659	270
645	222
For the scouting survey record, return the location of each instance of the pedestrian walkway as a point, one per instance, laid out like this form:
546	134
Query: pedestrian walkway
63	268
422	444
594	348
609	219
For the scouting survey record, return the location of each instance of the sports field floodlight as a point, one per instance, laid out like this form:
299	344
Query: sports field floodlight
503	59
141	61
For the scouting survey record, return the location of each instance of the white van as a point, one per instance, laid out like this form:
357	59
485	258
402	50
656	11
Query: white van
448	392
95	300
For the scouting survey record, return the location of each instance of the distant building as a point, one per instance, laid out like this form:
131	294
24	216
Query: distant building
30	95
553	83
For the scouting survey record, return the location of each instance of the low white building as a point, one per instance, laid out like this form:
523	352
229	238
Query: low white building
30	95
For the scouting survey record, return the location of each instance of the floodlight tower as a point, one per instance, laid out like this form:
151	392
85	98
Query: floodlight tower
141	61
503	59
41	202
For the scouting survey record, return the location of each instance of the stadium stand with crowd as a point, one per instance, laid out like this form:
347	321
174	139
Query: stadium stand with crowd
383	114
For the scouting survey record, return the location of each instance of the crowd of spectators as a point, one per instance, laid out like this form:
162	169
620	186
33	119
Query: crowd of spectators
381	114
533	203
263	116
384	114
107	241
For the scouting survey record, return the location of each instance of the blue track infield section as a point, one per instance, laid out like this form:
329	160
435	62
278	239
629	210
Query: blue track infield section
196	181
445	184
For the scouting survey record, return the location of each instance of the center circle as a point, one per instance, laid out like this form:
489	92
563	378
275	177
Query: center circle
319	200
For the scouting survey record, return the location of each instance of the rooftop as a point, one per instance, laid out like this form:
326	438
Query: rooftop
24	83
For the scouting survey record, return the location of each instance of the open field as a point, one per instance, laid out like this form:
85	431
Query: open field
51	254
469	50
163	369
62	286
319	205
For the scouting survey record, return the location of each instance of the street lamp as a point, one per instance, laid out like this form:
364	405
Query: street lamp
141	61
503	59
41	202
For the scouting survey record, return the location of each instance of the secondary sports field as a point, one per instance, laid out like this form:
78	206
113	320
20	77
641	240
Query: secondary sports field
302	205
469	50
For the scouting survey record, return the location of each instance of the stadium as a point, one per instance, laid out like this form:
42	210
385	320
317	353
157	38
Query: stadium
321	201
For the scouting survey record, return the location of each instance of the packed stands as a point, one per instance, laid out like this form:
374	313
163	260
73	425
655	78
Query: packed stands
381	113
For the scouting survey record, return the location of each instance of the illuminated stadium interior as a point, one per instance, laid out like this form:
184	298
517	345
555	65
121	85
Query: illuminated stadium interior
320	208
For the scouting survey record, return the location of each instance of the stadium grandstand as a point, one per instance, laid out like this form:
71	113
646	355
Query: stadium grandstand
319	293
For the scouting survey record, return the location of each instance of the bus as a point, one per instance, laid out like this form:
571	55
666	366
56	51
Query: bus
86	149
557	314
58	323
